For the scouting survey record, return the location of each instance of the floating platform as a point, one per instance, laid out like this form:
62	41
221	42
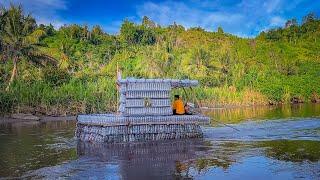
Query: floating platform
114	128
144	114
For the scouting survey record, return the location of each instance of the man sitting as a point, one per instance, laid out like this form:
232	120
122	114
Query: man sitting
178	106
189	108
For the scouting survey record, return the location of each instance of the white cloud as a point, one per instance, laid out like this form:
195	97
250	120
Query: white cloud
242	17
277	21
44	11
272	5
245	18
168	12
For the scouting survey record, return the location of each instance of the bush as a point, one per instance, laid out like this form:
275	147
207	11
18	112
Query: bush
55	76
7	102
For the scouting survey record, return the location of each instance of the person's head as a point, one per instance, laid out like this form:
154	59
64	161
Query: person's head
176	97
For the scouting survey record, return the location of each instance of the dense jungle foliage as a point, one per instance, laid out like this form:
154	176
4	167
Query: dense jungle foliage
73	69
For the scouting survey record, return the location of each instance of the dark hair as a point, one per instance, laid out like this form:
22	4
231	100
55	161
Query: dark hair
176	96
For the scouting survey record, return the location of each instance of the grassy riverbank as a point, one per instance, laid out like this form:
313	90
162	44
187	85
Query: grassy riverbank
277	66
67	99
100	96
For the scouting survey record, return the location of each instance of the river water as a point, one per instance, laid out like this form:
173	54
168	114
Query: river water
269	143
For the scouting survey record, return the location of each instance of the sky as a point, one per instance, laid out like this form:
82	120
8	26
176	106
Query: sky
245	18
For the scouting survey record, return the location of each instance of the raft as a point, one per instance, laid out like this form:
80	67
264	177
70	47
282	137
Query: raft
144	114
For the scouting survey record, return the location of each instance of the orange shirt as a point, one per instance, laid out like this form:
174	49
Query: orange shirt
178	106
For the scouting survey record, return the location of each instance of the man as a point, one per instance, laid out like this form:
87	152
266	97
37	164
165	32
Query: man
178	106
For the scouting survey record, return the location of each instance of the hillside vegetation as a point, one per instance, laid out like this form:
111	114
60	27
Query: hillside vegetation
72	69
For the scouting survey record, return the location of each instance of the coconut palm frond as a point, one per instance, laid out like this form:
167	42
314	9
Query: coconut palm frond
20	39
42	59
34	37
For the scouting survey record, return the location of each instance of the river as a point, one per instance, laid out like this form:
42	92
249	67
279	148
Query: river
277	142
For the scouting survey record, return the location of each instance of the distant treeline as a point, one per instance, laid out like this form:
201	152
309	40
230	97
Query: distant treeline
72	69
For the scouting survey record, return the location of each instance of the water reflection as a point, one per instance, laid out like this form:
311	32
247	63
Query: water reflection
281	159
236	115
174	159
292	150
32	145
156	160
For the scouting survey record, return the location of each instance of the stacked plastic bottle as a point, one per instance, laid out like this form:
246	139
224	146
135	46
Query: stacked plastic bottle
145	97
144	132
114	120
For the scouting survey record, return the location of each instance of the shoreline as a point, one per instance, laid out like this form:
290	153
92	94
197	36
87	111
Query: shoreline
47	118
255	106
8	119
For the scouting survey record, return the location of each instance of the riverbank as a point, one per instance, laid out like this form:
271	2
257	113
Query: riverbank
14	117
10	119
223	113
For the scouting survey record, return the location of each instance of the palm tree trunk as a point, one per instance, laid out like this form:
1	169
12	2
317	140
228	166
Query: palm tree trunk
13	74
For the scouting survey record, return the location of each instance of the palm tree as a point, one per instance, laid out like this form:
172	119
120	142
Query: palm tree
20	39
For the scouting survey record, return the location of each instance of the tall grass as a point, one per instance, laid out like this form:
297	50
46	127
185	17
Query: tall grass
223	96
74	97
99	95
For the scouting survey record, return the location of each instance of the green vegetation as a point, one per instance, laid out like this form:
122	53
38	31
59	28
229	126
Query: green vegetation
78	64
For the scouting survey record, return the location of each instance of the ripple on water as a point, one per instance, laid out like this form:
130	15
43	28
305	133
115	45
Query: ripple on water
304	129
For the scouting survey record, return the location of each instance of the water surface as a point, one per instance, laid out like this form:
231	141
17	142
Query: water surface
272	143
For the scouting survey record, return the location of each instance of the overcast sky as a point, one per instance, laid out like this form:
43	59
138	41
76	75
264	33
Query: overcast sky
244	18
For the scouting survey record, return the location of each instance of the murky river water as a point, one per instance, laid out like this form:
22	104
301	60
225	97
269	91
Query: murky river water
272	143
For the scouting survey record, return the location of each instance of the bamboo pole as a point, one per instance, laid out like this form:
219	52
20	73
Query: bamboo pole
118	87
185	92
225	124
194	96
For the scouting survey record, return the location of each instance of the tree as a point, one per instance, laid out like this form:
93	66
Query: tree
97	30
96	34
220	30
291	22
274	34
128	32
309	18
137	34
19	39
148	23
50	30
176	27
197	29
85	34
262	36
